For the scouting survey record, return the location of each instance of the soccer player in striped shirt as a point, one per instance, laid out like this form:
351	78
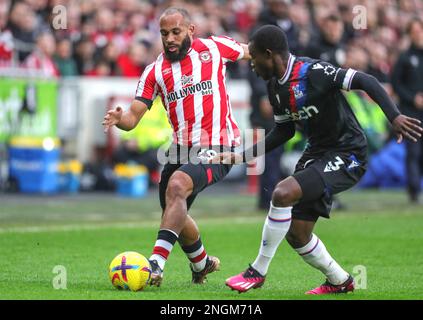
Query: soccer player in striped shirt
189	76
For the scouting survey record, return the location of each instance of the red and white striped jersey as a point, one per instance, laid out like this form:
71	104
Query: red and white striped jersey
193	92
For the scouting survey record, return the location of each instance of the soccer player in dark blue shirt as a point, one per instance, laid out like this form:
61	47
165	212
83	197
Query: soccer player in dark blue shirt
307	93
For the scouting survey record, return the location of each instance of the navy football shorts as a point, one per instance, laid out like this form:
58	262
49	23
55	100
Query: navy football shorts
321	177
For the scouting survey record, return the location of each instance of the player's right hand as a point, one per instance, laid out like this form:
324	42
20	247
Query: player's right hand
112	118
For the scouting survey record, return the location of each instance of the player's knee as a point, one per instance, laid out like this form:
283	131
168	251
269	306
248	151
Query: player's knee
282	197
178	187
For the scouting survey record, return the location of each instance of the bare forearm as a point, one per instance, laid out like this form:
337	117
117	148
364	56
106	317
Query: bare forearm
132	116
128	121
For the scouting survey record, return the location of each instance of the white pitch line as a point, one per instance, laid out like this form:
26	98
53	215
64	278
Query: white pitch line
75	227
126	225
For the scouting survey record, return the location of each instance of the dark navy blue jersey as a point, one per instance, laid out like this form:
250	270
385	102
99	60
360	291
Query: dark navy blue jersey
310	95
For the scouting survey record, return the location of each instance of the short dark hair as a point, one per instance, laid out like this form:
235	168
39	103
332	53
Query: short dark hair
271	37
183	12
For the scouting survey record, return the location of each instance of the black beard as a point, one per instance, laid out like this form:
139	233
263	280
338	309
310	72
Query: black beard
178	56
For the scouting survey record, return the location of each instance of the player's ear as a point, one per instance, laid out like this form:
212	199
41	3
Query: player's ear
191	29
269	53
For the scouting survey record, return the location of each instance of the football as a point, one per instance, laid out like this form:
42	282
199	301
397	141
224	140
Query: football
130	271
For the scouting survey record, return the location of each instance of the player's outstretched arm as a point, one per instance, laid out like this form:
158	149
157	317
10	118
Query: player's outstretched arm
403	126
125	120
280	134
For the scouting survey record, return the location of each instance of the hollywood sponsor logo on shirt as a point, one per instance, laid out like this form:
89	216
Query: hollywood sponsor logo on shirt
204	87
205	56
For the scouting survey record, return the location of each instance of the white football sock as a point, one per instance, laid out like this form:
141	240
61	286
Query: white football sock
275	228
316	255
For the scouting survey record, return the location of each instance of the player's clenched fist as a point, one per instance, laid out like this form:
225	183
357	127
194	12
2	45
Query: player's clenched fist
112	118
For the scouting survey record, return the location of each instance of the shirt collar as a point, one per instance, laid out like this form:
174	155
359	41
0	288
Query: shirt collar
288	70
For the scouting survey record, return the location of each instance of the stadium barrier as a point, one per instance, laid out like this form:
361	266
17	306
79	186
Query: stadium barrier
72	110
33	164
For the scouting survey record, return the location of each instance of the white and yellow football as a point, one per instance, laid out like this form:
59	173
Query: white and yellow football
130	271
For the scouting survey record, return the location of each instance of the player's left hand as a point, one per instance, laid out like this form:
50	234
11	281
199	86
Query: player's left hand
406	127
227	158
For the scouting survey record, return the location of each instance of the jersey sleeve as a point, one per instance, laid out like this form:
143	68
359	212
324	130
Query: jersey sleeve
229	49
325	77
147	86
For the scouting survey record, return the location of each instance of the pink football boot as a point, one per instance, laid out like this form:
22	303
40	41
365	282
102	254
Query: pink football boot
328	288
249	279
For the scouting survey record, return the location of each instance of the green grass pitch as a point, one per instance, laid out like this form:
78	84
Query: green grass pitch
379	231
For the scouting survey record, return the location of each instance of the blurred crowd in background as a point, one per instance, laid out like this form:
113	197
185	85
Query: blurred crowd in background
102	38
121	37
